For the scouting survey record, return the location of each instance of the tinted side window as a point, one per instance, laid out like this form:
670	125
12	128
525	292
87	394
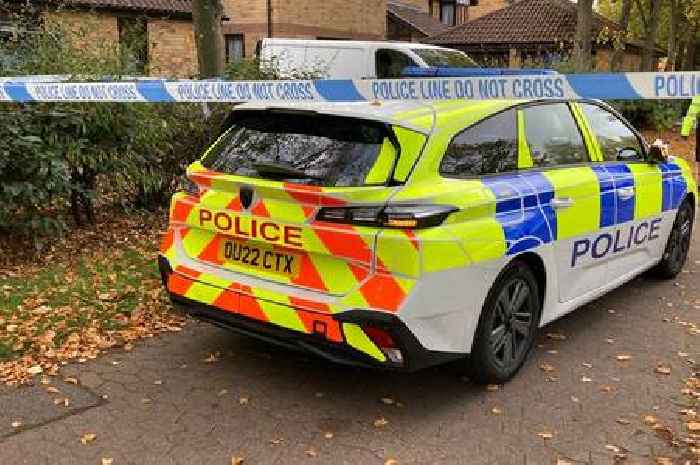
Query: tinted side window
553	136
487	147
613	135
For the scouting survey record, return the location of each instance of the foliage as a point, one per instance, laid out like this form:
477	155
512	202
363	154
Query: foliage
56	153
648	114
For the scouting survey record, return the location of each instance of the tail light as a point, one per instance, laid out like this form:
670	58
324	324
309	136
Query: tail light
390	216
385	342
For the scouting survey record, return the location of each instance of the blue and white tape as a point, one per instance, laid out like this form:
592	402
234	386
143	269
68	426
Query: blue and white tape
606	86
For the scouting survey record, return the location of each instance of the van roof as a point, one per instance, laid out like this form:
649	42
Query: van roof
352	43
423	117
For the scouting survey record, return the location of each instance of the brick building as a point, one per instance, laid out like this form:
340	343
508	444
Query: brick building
537	31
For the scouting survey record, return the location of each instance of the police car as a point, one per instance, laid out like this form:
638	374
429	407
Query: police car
402	235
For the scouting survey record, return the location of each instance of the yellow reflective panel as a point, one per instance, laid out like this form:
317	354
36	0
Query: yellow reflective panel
382	166
648	194
411	145
594	151
357	338
580	185
524	155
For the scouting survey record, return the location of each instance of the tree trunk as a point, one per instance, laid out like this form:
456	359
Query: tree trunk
206	16
648	58
582	44
619	53
690	50
672	47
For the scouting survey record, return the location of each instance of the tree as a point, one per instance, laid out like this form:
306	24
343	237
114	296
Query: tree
618	54
206	16
582	43
650	23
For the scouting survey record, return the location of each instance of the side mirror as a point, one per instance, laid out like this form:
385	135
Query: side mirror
628	154
658	152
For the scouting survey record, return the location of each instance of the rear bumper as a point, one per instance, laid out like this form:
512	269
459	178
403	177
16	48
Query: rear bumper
414	355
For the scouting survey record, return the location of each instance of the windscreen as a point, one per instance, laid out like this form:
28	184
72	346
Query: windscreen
304	148
445	58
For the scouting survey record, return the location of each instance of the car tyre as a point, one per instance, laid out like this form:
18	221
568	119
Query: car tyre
678	244
507	326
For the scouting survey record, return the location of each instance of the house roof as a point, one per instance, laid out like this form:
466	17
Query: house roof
415	18
525	21
155	6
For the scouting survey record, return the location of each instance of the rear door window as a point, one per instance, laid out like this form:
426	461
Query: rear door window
553	136
319	150
487	147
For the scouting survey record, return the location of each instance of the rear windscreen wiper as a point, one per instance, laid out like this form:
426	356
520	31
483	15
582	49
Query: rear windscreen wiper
282	171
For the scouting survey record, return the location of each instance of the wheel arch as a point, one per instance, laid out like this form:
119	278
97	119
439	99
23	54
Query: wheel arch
536	265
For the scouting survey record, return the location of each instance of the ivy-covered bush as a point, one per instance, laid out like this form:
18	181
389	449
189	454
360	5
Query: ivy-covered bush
56	157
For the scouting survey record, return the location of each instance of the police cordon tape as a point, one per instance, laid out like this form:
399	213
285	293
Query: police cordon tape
606	86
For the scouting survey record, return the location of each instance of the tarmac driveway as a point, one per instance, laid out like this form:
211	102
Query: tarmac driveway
206	396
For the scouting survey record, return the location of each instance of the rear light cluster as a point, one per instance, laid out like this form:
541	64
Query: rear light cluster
385	342
391	216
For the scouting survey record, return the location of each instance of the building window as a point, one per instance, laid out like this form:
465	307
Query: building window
235	47
448	10
133	41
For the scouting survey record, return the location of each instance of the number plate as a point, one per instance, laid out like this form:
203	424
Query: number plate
261	257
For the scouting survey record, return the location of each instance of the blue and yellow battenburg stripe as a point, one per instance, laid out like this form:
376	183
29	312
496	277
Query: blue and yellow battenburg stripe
524	210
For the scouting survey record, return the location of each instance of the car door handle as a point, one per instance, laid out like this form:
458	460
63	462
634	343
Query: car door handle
563	202
625	193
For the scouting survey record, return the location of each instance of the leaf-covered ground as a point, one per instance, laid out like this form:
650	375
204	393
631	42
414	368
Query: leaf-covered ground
95	289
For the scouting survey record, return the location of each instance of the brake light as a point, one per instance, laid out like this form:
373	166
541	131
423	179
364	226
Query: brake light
380	337
390	216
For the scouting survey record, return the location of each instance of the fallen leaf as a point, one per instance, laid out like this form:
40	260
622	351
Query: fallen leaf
650	420
663	369
107	461
663	461
158	382
380	422
561	461
16	424
586	379
391	462
623	421
328	435
693	426
496	411
237	460
612	448
71	380
243	401
610	340
276	442
52	390
623	357
212	358
223	392
35	370
493	387
545	435
311	452
587	365
88	438
546	367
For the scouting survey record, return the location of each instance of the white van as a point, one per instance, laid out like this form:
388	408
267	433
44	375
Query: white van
349	59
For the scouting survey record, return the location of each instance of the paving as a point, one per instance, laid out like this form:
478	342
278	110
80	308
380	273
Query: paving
207	396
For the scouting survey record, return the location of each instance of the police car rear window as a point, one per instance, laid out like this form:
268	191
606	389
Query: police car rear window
304	148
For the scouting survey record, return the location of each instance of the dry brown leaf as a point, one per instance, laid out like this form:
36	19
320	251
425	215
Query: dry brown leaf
391	462
663	461
16	424
693	426
52	390
380	422
71	380
561	461
88	438
650	420
496	411
612	448
311	452
328	435
623	421
623	357
546	367
243	401
546	435
35	370
663	369
237	460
